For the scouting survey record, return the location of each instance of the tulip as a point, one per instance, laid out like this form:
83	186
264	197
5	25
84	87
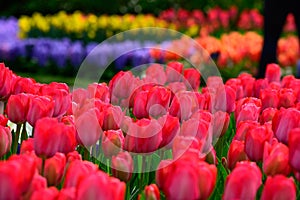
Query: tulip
176	87
236	153
122	166
283	121
38	183
88	127
25	85
79	95
235	84
3	120
74	155
48	128
100	186
9	181
143	136
249	111
17	108
51	193
184	145
287	98
247	81
54	169
242	102
59	92
112	142
155	74
111	118
192	77
267	115
276	159
99	91
39	107
122	85
279	186
67	194
162	172
174	71
7	79
273	73
139	108
243	128
152	192
220	124
293	143
5	140
255	141
78	170
269	98
158	101
260	85
170	128
222	98
237	188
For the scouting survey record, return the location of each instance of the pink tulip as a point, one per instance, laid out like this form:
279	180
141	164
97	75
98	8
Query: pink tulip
174	71
121	85
236	85
269	98
50	193
279	186
139	108
260	85
5	140
249	111
67	194
152	192
7	79
273	73
99	91
293	143
236	153
287	98
38	183
158	101
170	128
122	166
17	107
111	118
243	128
192	78
25	85
112	142
155	74
267	115
79	95
54	169
220	124
247	82
185	145
3	120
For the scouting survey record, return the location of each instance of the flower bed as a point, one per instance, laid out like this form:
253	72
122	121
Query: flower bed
140	136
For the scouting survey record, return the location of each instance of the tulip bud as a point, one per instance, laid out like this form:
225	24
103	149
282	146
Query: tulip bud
158	101
24	85
7	79
243	128
174	71
155	74
17	107
27	145
54	169
276	159
99	91
112	142
139	106
294	148
3	120
273	73
111	118
5	140
267	115
269	98
287	98
279	186
192	78
152	192
236	187
236	153
255	141
220	124
170	128
249	111
122	166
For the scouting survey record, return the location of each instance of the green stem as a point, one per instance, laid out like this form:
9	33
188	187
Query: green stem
108	166
24	135
43	166
127	191
86	153
16	138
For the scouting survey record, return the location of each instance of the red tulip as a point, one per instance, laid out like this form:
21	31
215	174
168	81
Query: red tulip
111	118
54	169
100	186
143	136
174	71
255	141
267	115
294	155
273	73
24	85
122	85
236	187
38	183
77	171
74	155
176	87
112	142
59	92
158	101
155	74
259	85
3	120
88	127
276	159
243	128
162	172
236	85
192	77
5	140
152	192
170	128
236	153
27	146
279	187
50	193
7	79
79	95
17	107
240	104
67	194
99	91
220	124
139	107
269	98
247	82
283	121
39	107
122	166
222	98
48	128
184	145
287	98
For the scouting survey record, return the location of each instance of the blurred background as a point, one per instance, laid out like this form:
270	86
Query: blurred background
48	40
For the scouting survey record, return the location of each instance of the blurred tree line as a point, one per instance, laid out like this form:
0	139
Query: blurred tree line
27	7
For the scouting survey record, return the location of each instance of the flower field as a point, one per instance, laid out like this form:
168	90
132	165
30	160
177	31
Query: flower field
141	137
175	111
